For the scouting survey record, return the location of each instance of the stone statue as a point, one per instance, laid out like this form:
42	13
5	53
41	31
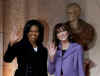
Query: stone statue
82	32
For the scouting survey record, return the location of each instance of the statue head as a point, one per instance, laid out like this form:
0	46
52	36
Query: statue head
73	11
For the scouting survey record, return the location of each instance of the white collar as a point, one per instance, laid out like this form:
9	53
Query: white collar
35	49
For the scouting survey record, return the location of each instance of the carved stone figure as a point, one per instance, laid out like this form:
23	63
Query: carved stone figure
82	32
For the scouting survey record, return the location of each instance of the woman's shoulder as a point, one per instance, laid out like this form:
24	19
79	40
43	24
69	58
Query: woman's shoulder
77	48
76	45
41	46
18	44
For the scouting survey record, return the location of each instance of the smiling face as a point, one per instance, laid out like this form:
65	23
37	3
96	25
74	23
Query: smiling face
33	34
62	34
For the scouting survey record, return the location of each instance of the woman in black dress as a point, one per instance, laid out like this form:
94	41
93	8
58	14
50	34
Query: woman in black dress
30	52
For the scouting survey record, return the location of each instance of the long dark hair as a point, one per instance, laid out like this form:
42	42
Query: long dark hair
31	23
64	27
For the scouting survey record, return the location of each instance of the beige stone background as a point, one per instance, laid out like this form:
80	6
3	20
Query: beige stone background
14	13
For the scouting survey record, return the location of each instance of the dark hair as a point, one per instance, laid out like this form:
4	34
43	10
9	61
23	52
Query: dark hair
31	23
65	27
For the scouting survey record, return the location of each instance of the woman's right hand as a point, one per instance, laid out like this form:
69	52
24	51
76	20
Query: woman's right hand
15	36
52	51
